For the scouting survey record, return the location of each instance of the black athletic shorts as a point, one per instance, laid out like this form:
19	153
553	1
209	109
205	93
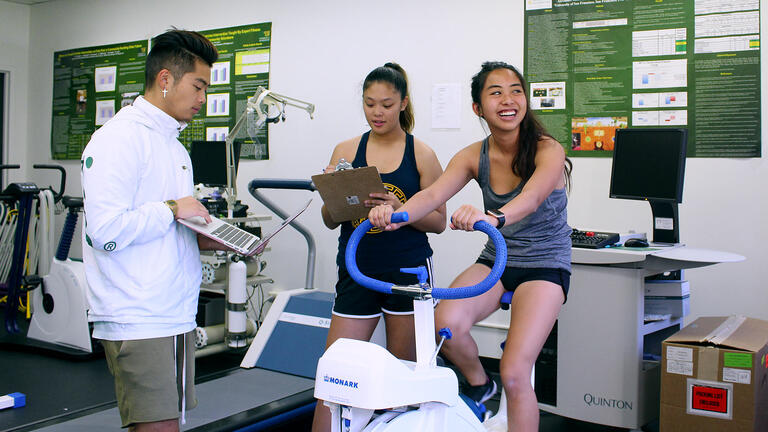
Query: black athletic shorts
514	276
356	301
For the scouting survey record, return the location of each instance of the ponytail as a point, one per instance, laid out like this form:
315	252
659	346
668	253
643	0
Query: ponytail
394	74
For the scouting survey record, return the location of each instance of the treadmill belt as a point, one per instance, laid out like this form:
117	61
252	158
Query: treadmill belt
246	396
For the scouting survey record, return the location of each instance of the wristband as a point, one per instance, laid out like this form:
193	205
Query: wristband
499	215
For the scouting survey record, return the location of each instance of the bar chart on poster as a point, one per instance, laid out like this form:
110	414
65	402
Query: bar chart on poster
242	67
91	84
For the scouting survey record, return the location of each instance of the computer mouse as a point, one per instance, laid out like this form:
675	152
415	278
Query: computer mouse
636	243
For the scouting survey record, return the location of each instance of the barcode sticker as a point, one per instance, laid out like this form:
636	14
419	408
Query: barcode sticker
739	376
680	367
679	353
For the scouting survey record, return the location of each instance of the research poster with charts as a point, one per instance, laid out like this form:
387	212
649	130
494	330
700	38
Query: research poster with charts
242	67
89	86
594	66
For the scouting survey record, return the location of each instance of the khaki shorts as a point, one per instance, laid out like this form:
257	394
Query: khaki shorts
148	377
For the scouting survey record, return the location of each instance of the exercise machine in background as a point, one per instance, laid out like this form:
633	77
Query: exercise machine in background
268	107
214	165
292	337
50	289
17	199
59	306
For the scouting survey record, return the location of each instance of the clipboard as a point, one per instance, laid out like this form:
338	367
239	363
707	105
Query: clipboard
344	192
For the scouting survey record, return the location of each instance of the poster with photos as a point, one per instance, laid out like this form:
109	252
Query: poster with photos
89	86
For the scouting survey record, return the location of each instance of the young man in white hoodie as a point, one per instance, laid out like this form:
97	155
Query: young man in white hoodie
143	268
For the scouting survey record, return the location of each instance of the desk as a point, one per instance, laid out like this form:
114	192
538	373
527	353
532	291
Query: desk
596	371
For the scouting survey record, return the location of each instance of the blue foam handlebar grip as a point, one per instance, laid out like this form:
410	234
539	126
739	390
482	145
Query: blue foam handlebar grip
399	217
349	259
484	285
351	252
438	293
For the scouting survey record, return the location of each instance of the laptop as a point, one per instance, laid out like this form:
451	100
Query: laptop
237	239
344	192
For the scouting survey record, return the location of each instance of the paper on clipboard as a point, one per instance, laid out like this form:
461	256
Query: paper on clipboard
344	192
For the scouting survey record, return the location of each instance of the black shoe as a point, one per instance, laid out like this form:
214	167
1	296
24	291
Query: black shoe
481	393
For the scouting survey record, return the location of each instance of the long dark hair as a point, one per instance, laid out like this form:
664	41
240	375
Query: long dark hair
394	74
531	130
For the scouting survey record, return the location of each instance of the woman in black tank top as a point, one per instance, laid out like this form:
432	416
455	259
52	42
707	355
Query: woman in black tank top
523	174
406	166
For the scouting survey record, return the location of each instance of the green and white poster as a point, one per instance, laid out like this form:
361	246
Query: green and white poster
598	65
242	67
89	86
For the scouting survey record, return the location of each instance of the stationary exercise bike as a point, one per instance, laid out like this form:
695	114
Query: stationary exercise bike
368	389
59	306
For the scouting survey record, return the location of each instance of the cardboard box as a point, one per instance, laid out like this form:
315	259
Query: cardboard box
714	376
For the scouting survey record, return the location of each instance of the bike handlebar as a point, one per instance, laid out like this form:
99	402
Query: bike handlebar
62	180
295	184
438	293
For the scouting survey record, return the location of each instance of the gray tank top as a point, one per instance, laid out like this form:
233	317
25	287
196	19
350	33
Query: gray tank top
541	239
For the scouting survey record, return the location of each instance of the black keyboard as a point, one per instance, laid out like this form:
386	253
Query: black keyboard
593	239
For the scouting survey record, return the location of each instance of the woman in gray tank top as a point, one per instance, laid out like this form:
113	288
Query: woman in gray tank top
523	174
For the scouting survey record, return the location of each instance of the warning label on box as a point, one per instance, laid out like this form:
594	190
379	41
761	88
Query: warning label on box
712	399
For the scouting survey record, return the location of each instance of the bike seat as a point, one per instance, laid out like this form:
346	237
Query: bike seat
506	299
72	202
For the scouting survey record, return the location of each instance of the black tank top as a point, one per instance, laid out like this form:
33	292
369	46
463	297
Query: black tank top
384	251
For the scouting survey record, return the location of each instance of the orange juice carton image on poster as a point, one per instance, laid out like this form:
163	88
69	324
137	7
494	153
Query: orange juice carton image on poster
595	133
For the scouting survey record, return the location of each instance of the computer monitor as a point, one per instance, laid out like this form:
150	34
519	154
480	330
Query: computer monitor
649	165
209	162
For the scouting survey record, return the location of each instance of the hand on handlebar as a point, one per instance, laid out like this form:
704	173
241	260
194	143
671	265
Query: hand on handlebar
381	216
465	217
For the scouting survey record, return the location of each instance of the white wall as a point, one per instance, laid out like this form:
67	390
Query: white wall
321	51
14	61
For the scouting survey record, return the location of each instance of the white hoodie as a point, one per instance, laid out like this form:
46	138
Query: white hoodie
143	268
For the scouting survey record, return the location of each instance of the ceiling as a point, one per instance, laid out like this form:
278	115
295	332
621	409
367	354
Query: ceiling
28	2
